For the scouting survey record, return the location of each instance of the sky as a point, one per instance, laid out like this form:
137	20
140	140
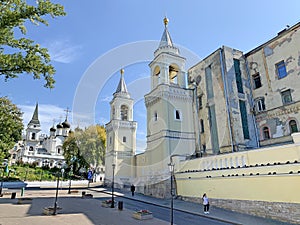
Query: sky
97	38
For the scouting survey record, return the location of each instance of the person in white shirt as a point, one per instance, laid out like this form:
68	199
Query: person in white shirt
205	203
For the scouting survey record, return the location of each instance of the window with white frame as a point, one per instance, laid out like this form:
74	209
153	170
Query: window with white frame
260	104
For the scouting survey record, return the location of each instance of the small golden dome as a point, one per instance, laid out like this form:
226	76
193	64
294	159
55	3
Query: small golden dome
166	21
122	71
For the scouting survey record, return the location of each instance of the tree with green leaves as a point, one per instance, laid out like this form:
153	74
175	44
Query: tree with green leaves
11	126
85	148
22	55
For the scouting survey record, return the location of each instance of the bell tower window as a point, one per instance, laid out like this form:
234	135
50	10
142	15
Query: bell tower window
124	112
173	72
33	136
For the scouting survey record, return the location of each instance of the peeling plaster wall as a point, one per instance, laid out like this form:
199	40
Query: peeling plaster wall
197	74
230	135
263	60
234	97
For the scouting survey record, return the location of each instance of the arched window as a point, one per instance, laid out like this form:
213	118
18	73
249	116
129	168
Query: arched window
293	126
58	151
266	133
156	74
124	112
30	148
33	136
173	72
124	139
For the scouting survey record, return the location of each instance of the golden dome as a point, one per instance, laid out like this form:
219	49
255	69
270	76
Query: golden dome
122	71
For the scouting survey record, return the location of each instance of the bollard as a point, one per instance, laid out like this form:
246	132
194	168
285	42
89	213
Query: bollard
120	205
22	191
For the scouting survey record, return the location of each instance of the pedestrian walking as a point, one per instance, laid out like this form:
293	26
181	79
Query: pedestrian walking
132	189
205	203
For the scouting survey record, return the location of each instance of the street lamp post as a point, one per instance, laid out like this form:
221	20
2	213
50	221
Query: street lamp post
70	174
56	195
171	167
112	187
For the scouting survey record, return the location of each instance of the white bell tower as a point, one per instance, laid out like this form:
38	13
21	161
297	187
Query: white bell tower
170	125
120	137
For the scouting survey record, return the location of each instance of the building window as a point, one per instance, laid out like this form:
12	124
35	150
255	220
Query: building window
256	81
124	139
58	151
260	104
124	112
109	140
155	116
30	148
177	115
33	136
173	72
113	112
202	126
238	75
244	119
200	102
286	97
209	83
281	69
266	133
204	148
293	126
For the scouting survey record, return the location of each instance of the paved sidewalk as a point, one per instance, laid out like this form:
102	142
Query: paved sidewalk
195	208
75	210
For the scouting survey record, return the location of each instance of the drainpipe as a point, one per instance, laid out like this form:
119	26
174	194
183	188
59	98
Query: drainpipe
252	103
226	98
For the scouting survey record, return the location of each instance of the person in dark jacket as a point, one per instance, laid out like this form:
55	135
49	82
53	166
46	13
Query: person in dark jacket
132	189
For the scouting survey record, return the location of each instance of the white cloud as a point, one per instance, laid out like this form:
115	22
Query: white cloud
63	51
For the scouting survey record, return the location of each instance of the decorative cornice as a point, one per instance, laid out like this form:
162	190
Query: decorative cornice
168	92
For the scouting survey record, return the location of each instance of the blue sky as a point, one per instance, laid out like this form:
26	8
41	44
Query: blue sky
93	31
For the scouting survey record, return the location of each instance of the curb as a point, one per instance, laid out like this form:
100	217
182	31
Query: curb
167	207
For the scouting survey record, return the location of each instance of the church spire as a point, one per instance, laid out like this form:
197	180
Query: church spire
166	43
35	116
166	37
122	85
